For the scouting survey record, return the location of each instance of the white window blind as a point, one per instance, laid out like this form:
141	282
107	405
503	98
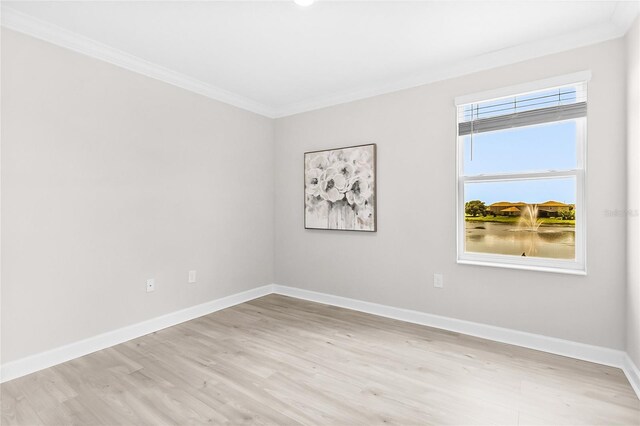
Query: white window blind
563	103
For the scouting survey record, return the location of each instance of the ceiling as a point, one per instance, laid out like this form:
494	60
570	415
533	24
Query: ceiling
276	58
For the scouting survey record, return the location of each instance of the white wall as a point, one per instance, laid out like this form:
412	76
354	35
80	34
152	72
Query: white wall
633	189
109	178
415	131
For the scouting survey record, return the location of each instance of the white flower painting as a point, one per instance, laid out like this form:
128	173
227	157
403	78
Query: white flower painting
340	189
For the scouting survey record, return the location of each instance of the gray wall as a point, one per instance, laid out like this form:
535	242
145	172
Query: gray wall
110	178
633	172
152	181
415	131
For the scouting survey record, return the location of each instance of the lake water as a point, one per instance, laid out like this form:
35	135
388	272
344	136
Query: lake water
556	241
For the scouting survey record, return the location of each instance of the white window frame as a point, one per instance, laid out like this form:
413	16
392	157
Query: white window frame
577	266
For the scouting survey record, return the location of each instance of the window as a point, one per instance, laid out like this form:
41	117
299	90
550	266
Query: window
521	176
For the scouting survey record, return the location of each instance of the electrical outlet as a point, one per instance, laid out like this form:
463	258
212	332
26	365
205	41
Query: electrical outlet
192	276
438	280
151	285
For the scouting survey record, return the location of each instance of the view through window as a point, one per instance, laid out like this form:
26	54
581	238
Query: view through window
521	178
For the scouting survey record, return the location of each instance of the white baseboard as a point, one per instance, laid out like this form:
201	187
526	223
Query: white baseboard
33	363
597	354
633	374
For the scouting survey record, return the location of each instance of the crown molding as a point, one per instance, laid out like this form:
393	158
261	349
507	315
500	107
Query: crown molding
21	22
613	29
619	23
625	14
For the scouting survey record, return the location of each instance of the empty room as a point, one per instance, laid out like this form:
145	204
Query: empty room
320	212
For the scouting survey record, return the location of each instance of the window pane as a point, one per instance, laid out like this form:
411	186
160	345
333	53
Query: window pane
522	149
531	218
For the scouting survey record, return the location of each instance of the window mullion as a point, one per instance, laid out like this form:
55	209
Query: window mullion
520	176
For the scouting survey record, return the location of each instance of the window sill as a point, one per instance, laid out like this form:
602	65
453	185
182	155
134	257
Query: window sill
498	264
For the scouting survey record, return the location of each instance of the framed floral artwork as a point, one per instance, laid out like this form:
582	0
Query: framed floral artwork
340	189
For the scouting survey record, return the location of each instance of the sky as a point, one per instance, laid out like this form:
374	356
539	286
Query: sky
525	149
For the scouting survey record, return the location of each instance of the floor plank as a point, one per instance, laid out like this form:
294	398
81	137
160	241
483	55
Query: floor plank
283	361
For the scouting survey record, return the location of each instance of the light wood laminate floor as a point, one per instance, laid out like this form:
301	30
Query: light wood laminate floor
279	360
